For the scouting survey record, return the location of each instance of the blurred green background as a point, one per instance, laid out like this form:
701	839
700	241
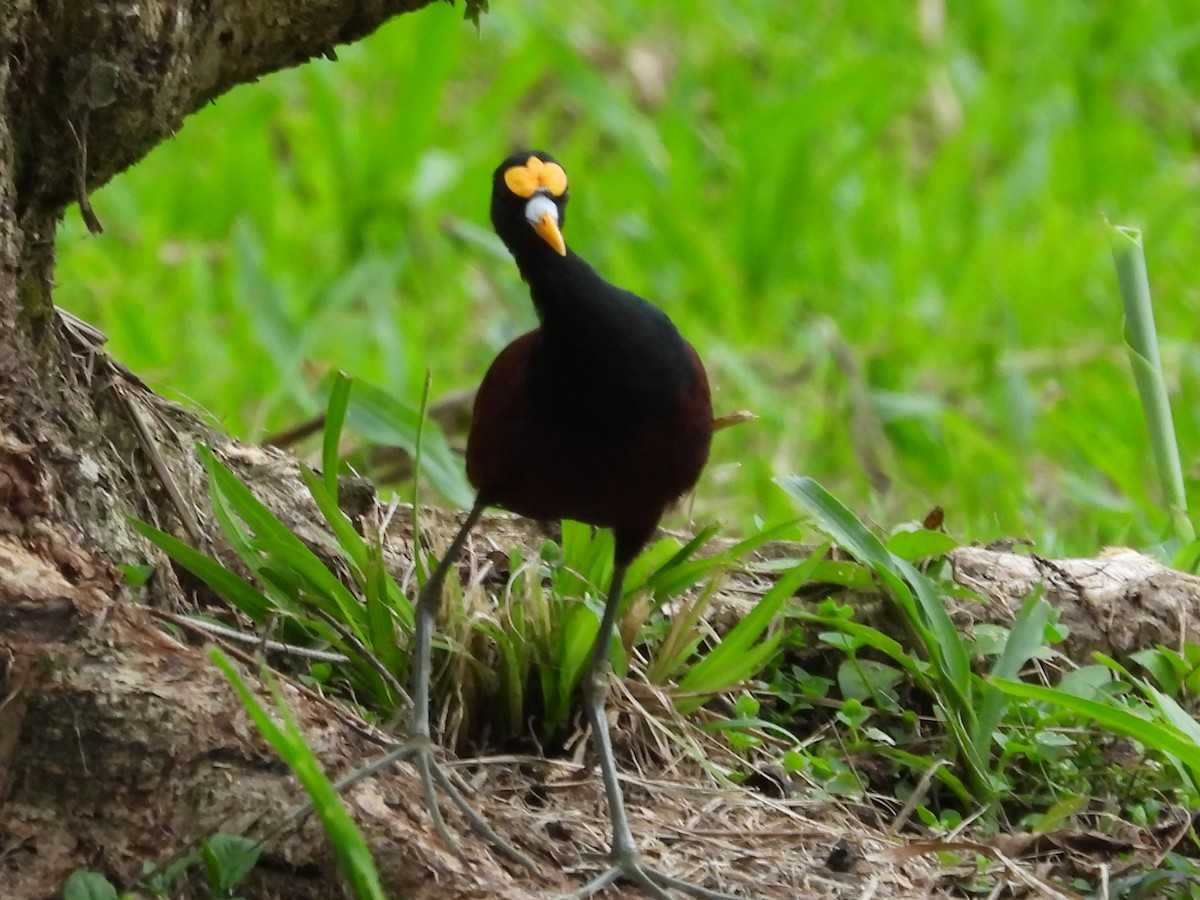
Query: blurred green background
880	223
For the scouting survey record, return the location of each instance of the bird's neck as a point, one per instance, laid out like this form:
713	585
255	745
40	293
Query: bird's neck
566	289
538	262
588	322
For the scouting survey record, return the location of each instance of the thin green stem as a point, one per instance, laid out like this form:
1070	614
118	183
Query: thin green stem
1141	338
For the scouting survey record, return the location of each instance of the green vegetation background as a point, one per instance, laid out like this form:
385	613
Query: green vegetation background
881	224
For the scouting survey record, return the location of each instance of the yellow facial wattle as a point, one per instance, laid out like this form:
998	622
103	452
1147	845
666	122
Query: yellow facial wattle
535	175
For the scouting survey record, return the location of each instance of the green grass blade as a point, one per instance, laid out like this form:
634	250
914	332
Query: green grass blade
300	566
740	655
578	628
1025	638
1164	738
745	723
865	635
943	642
348	538
361	557
227	584
381	616
1176	715
335	418
682	639
914	592
838	522
952	682
679	571
512	669
354	856
418	449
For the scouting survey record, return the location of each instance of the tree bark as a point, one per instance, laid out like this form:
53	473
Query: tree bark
119	743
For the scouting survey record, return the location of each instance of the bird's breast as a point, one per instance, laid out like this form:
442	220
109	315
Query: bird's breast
565	433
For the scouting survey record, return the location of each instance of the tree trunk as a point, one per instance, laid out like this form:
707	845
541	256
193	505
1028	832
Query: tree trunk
118	744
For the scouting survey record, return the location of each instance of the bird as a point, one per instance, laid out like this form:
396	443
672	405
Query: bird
602	414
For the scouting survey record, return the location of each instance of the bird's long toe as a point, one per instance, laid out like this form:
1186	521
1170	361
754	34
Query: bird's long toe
655	883
434	776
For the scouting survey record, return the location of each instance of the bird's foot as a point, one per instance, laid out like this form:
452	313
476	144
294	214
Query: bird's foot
630	867
419	751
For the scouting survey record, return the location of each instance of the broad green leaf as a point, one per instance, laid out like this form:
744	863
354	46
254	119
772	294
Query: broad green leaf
228	859
920	544
84	885
845	573
867	679
385	420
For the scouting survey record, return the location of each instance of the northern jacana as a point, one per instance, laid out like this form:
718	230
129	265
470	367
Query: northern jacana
603	415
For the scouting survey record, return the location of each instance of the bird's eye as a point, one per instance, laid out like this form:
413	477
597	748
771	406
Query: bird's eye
526	180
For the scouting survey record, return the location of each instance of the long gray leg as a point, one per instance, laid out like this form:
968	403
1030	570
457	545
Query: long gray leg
420	743
625	860
428	602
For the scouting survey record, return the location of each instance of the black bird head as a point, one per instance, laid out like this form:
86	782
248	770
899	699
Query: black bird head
529	199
